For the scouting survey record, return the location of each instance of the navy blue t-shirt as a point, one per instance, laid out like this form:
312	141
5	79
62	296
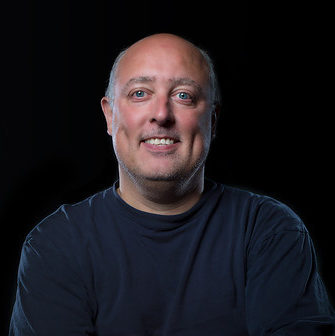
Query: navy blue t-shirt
235	264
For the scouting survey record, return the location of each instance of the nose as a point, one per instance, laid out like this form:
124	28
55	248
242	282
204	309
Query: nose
162	113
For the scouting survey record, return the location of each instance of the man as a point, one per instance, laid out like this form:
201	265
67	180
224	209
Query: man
166	251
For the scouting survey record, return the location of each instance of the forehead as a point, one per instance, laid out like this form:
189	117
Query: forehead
163	59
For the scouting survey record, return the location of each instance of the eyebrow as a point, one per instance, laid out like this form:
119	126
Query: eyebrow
175	82
140	79
186	81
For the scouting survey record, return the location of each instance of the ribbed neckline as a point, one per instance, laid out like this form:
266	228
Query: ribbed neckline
155	222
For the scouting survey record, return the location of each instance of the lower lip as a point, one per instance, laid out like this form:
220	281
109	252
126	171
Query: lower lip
160	148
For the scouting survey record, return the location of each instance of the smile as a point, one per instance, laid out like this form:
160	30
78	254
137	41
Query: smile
160	142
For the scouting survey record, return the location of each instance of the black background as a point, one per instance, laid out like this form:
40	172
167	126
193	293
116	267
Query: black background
274	134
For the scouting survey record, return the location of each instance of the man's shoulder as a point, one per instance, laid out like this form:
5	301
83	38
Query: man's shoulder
261	213
71	219
258	201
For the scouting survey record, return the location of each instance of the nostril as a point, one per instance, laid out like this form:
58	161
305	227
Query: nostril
163	118
162	112
162	121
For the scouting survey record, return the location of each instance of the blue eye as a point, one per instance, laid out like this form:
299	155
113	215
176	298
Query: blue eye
184	95
139	94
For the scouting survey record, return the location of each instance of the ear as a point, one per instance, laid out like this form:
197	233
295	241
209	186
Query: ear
108	112
215	117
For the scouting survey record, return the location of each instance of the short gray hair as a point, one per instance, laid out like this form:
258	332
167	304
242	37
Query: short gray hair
112	77
214	86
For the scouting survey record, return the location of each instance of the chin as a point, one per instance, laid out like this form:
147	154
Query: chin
162	177
178	176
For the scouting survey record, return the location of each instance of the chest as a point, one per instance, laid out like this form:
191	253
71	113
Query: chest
172	286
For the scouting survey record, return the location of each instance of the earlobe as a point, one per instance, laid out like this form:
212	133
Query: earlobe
108	113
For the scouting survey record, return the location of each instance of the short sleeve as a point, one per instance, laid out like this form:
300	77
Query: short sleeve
51	297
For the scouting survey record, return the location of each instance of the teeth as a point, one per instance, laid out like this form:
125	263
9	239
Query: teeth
156	141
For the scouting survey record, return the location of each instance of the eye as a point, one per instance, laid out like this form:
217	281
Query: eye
139	94
184	95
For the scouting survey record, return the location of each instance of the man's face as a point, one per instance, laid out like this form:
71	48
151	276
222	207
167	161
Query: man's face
161	117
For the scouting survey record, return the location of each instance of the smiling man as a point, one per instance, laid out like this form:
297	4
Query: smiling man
160	115
165	251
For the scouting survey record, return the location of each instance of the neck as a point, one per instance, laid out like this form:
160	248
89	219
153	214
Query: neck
161	197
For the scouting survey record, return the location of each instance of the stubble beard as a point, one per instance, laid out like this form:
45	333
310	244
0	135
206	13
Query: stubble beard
176	175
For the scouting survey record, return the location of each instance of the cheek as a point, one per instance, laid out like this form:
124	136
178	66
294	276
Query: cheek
199	125
126	123
206	124
203	133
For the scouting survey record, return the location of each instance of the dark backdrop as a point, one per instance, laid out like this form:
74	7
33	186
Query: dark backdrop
274	131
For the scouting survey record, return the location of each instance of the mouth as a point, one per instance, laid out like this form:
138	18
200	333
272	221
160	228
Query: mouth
160	141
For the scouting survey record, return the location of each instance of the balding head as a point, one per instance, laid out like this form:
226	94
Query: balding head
168	43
